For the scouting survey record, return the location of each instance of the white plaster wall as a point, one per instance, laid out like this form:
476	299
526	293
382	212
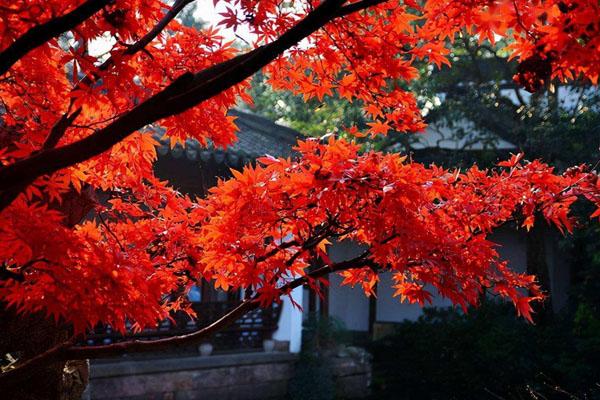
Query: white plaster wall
391	309
512	247
290	321
349	305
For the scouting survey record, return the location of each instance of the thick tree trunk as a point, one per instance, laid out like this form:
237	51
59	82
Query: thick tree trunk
27	336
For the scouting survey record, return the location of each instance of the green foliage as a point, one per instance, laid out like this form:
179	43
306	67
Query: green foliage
312	117
560	124
559	128
323	334
488	353
313	379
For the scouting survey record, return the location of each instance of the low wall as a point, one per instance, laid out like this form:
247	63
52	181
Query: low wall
352	373
242	376
232	376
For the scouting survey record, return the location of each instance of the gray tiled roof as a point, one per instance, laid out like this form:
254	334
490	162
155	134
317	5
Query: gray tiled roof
257	136
462	136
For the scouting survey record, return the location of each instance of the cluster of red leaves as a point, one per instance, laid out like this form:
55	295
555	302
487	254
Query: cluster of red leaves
147	243
551	38
429	226
369	56
262	228
116	268
61	77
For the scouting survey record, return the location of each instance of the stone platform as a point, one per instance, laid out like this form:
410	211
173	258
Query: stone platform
232	376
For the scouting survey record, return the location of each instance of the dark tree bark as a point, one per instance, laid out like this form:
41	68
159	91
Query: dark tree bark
24	337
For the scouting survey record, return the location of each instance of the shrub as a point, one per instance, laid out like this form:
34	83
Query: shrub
313	379
488	353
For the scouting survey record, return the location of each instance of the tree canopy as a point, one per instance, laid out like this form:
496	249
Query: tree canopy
90	235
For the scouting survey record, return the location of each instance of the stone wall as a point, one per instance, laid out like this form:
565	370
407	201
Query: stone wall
233	376
242	376
351	369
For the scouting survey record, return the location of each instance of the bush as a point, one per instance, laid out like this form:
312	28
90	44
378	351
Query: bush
488	353
313	379
491	354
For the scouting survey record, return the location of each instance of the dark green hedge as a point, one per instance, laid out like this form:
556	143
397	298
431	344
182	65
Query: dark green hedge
489	353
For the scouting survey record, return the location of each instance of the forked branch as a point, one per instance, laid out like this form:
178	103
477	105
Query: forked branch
184	93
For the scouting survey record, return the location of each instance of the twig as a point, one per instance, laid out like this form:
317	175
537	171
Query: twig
40	34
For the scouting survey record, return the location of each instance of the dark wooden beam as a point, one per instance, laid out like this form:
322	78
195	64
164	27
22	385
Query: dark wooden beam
372	310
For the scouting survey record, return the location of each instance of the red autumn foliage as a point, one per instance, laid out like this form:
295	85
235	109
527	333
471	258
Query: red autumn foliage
73	125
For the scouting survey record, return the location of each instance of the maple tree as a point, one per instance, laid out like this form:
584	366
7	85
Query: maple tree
74	128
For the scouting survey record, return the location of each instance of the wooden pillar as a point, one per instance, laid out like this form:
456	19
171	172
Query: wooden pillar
372	310
324	305
312	301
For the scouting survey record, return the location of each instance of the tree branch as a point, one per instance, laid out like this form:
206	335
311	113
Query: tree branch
56	133
66	120
59	129
184	93
67	350
40	34
146	39
158	28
